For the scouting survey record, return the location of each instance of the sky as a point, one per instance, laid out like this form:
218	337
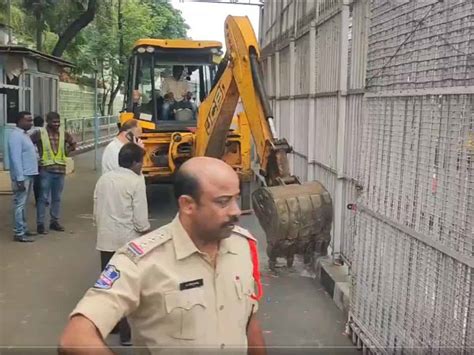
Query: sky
206	20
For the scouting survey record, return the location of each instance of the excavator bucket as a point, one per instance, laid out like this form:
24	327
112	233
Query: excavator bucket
296	219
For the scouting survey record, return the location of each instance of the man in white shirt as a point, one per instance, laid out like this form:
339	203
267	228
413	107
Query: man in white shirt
175	84
121	210
111	152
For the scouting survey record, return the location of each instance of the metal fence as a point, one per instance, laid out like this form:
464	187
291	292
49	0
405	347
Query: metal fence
413	261
312	59
83	130
377	99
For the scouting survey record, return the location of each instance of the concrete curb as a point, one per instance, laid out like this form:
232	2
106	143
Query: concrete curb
335	280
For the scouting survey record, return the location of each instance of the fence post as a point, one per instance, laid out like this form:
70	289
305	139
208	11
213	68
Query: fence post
83	134
340	191
96	123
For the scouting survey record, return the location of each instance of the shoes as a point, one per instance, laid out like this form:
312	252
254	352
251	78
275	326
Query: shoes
23	239
56	227
30	234
125	333
40	229
126	342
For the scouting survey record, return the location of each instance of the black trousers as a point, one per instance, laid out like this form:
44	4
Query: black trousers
123	326
37	187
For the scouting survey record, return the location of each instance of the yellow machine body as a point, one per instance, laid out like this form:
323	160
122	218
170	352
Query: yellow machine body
296	217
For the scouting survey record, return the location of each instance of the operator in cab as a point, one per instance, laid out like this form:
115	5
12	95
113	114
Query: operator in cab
177	84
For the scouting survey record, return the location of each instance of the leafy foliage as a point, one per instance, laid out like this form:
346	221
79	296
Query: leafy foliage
104	45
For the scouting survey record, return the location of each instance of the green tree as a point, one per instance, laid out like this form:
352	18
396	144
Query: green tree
20	21
109	40
71	31
96	35
38	8
52	23
171	22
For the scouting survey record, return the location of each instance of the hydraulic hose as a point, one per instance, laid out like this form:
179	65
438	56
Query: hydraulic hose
260	87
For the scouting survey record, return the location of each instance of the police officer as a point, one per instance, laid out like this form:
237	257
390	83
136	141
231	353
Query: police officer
189	285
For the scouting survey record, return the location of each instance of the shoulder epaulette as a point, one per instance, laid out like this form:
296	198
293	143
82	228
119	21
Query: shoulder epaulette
138	248
243	233
255	260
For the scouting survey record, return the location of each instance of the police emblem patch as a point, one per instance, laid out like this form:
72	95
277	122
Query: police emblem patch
107	278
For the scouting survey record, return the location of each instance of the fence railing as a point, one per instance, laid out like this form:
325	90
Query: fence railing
84	132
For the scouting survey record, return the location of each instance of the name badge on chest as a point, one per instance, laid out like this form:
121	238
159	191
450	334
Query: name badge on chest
191	284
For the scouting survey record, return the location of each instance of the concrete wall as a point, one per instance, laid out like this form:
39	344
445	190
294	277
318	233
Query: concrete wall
78	101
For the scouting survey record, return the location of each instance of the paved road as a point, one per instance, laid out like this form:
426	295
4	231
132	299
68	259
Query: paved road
41	282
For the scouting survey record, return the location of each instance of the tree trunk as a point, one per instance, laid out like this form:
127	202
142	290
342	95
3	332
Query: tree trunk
74	28
103	103
120	31
120	80
113	95
39	29
104	91
105	94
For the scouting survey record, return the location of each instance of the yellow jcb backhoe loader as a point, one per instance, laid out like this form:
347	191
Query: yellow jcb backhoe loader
163	77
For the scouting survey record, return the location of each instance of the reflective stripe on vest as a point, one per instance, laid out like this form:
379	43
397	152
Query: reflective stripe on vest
48	157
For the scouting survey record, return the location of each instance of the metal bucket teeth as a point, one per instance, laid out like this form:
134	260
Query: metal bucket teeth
292	215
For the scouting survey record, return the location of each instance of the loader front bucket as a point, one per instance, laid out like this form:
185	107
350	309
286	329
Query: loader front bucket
296	219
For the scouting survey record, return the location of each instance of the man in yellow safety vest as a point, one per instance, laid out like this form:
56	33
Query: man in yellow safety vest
54	144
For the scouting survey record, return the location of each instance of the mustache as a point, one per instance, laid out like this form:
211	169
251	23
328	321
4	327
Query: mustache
233	220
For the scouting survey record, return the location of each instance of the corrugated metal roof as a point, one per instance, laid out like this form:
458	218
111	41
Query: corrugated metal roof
15	49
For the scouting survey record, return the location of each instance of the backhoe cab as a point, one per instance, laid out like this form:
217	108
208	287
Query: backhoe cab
164	71
167	82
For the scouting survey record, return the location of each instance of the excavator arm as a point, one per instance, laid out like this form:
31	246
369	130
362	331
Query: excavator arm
240	75
296	217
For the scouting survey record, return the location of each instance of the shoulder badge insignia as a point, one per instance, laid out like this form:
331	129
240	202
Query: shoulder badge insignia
243	232
255	260
107	277
135	248
140	247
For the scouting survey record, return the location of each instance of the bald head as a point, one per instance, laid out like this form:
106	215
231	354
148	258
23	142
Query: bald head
193	176
207	190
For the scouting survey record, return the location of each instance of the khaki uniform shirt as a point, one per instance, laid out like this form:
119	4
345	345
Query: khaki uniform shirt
173	296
